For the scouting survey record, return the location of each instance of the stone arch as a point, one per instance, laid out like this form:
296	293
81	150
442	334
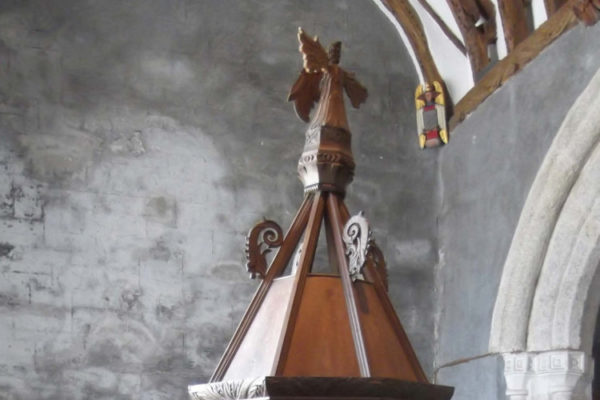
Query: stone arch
573	255
537	249
550	286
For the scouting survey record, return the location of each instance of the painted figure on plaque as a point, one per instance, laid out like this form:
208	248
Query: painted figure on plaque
431	115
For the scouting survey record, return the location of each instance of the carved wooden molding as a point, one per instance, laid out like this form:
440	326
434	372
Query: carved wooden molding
477	36
556	25
514	21
410	22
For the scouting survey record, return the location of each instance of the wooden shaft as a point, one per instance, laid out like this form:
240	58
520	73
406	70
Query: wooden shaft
514	21
444	27
333	212
408	18
277	266
309	246
332	256
391	313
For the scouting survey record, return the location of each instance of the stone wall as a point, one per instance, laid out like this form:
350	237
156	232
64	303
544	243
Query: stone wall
486	173
139	142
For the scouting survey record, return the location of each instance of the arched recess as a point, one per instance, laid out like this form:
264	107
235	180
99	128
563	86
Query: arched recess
556	229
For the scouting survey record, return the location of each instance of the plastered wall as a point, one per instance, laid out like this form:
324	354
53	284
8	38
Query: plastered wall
139	141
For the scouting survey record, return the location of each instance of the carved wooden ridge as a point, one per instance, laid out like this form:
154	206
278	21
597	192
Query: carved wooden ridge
308	323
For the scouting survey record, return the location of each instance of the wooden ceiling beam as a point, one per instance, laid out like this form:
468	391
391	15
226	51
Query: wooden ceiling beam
560	22
587	11
514	21
444	27
477	22
553	5
406	15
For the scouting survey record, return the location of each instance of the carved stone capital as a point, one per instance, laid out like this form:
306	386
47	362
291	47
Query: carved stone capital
560	374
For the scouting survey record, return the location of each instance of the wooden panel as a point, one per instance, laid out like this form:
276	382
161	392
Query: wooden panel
256	354
321	343
388	356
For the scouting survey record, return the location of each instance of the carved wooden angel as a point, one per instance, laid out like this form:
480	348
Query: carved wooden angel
431	115
322	80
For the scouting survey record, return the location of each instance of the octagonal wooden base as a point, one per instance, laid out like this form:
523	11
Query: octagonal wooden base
317	388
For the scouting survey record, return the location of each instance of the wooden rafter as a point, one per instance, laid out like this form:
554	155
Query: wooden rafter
477	36
588	11
514	21
410	22
556	25
444	27
553	5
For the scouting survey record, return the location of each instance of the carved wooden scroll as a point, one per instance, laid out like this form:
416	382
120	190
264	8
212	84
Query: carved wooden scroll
357	238
262	238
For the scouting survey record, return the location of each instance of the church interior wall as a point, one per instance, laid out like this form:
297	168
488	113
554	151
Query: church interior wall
141	140
485	175
139	143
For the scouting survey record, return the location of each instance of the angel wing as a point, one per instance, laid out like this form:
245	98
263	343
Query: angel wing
355	91
418	92
305	93
314	55
439	99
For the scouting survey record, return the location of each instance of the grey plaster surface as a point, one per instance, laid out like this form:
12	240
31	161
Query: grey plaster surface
139	142
486	174
476	379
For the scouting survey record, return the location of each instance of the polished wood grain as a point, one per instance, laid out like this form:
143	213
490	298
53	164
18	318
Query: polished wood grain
321	343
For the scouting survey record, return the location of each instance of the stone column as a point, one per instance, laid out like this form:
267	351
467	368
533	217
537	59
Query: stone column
549	375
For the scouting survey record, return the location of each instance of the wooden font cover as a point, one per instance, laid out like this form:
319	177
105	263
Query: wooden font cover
301	323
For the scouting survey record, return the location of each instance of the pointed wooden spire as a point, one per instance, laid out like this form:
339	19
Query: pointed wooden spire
324	327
